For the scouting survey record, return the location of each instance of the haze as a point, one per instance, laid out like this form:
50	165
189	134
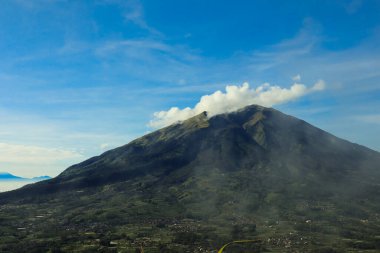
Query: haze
81	77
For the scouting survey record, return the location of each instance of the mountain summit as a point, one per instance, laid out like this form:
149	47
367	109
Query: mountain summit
253	173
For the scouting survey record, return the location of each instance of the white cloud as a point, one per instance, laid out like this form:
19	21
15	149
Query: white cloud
296	78
106	146
133	12
15	156
16	153
235	97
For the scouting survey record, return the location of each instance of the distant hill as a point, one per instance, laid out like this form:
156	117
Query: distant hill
10	182
9	176
40	178
191	187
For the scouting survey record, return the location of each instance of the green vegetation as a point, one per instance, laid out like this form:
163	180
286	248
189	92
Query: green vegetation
255	174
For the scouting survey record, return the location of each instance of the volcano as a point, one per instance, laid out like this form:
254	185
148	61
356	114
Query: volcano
255	173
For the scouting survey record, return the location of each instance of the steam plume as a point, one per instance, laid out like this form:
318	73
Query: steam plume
234	98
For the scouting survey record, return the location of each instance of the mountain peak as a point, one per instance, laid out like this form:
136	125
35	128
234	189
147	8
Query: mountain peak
227	174
198	121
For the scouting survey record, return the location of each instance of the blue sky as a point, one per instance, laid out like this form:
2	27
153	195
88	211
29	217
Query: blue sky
80	77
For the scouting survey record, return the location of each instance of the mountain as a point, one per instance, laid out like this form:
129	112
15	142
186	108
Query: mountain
191	187
10	182
8	176
40	178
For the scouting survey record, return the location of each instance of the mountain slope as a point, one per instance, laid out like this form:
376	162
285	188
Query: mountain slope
251	173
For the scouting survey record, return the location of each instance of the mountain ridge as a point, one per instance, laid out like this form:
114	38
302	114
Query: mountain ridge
9	176
252	173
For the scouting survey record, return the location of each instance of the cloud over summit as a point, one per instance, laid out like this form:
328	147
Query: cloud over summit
234	98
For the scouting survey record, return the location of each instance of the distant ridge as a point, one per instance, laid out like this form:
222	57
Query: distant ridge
5	176
40	178
9	176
